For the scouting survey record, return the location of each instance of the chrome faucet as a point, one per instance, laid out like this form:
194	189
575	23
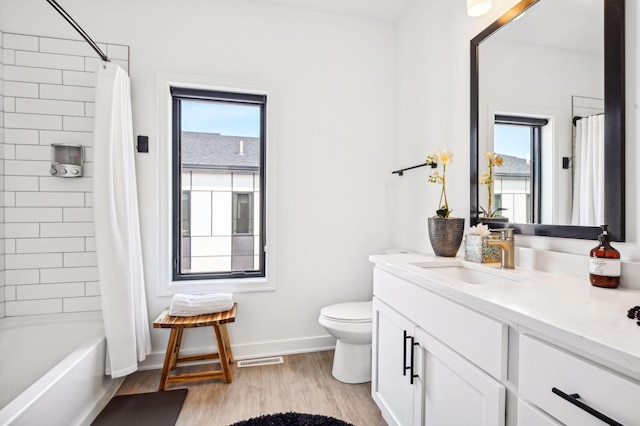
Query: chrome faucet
505	242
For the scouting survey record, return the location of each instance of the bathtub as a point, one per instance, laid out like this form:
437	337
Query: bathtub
52	369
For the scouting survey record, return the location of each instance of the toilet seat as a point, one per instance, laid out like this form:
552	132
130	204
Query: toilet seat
353	312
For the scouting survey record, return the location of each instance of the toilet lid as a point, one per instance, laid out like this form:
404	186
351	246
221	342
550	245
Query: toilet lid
348	312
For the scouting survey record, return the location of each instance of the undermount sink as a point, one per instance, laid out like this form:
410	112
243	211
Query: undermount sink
468	275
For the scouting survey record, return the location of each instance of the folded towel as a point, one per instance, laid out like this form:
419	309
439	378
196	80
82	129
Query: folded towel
187	305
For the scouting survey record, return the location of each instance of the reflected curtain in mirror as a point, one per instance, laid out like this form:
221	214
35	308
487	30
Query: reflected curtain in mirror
588	191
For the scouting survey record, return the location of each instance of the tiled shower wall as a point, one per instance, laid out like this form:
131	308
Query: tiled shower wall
49	249
2	287
582	106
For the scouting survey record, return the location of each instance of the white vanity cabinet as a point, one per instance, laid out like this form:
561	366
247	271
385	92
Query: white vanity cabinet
573	356
573	390
423	372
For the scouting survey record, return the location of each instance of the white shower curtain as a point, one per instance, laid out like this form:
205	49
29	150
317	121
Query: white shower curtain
117	226
588	186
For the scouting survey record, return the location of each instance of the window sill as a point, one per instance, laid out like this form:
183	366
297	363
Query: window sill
238	285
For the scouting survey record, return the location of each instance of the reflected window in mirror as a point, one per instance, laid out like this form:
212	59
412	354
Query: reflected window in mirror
518	182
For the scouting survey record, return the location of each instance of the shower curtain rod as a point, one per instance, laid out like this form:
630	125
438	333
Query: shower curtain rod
577	117
77	27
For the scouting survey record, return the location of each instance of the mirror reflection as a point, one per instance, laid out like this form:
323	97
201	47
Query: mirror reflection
541	105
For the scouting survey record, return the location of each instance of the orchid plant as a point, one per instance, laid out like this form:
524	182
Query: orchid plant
487	178
434	160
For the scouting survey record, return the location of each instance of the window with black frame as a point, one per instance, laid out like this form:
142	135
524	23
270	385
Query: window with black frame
218	165
517	182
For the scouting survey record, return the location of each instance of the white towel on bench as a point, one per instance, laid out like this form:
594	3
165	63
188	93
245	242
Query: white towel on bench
188	305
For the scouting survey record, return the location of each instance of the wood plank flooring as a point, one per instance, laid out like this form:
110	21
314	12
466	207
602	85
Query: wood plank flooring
303	384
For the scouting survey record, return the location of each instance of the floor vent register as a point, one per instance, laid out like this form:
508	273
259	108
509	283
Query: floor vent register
260	361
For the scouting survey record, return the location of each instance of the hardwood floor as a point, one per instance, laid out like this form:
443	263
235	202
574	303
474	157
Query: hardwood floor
303	384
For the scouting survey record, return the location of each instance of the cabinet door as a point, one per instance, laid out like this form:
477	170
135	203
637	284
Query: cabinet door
391	385
455	392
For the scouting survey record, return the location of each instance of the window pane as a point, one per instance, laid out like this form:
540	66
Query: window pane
186	213
513	140
185	245
220	152
242	213
512	181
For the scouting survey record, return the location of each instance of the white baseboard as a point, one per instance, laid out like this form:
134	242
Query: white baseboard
251	350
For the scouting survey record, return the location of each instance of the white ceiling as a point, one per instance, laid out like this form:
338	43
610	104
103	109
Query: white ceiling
386	10
572	25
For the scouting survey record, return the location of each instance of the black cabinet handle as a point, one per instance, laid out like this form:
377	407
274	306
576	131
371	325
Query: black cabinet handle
574	399
412	376
404	353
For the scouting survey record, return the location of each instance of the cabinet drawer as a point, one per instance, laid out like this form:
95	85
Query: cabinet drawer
478	338
544	367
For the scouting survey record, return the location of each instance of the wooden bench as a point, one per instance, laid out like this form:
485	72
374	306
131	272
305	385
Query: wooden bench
177	325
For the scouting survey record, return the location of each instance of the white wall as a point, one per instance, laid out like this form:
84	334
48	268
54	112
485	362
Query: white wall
2	289
335	82
426	120
432	75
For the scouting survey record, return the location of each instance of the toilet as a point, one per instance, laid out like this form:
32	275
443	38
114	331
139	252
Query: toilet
350	324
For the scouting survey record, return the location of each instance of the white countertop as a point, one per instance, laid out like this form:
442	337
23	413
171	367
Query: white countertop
570	312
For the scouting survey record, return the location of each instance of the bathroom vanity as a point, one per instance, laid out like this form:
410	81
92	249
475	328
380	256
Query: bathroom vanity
459	343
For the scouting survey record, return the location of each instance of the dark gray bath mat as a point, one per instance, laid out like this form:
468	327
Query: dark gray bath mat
143	409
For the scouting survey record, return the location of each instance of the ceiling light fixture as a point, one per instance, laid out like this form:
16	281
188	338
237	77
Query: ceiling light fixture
478	7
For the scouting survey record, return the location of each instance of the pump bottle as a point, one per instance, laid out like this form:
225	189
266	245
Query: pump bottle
604	263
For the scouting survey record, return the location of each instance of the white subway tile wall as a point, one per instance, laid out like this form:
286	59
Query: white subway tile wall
47	250
6	104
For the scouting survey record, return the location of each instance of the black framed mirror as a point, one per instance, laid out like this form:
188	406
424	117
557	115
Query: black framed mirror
614	126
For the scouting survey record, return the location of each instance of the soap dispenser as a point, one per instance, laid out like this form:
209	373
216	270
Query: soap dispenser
604	263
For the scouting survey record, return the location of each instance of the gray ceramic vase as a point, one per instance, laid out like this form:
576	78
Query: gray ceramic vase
446	235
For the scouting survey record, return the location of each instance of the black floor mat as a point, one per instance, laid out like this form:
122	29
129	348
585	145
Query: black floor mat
143	409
